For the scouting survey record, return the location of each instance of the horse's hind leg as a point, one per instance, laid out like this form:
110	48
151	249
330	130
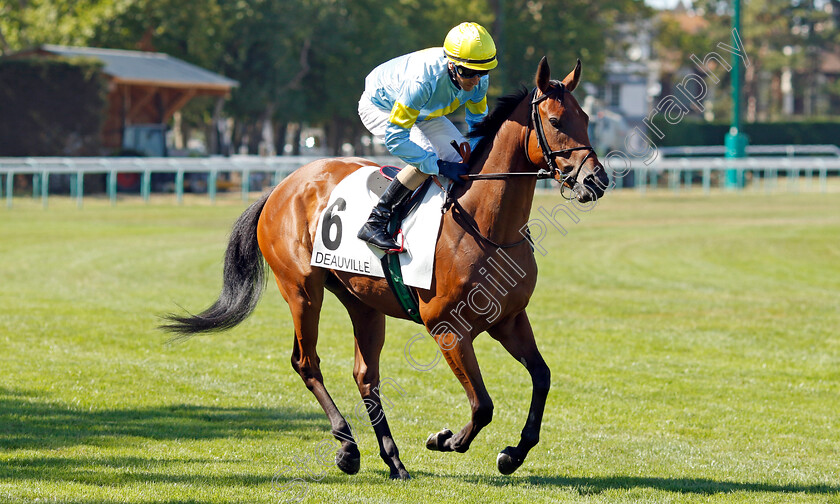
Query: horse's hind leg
369	331
517	337
305	300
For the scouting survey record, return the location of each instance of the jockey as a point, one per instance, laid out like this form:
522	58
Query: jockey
404	103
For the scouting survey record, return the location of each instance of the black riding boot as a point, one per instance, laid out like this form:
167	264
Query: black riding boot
375	230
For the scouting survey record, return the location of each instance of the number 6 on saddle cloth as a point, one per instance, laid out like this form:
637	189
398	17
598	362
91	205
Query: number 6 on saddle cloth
336	246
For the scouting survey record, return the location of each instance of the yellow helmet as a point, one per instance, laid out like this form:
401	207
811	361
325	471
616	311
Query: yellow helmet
469	45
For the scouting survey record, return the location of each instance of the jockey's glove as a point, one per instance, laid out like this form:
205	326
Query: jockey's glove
452	171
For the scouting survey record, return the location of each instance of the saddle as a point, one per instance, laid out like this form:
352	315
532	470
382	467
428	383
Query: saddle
377	185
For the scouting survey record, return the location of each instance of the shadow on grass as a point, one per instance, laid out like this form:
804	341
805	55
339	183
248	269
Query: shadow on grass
28	421
124	470
41	427
599	484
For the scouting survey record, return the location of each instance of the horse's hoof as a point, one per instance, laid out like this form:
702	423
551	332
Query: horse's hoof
507	461
347	462
437	441
402	474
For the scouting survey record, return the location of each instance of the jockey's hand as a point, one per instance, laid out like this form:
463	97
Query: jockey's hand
452	171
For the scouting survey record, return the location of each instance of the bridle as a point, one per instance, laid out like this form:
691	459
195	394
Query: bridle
549	155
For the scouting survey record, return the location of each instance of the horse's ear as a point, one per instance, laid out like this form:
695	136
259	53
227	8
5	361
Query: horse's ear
543	75
571	80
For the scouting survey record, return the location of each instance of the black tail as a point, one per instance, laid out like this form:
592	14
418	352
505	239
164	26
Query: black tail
244	280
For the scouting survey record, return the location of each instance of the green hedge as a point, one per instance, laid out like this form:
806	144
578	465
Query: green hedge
51	107
703	133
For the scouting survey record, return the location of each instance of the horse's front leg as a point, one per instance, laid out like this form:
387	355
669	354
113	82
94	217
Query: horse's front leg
516	335
460	355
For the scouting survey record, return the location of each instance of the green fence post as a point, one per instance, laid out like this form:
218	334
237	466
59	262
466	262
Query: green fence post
69	165
823	175
10	180
146	185
732	178
641	180
674	180
179	186
618	181
735	141
769	175
36	185
793	180
45	187
112	187
80	188
212	175
246	184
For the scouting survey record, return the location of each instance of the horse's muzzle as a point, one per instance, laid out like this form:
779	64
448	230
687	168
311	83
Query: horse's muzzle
592	185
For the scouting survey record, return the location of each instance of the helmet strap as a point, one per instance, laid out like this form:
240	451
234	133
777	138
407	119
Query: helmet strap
450	67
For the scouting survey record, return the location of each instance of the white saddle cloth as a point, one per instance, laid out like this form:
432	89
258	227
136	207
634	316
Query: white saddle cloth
336	246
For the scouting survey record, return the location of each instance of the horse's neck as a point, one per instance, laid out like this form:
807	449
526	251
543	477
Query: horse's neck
501	207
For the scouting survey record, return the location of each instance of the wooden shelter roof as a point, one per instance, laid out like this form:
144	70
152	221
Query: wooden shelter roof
148	68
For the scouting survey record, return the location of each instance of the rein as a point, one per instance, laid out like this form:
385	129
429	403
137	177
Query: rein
461	215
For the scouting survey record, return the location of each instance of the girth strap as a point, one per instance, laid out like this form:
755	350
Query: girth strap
406	296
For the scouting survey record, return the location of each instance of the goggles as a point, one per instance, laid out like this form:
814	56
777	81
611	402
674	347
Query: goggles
469	73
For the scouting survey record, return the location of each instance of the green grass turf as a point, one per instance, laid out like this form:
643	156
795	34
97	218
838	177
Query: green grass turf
693	343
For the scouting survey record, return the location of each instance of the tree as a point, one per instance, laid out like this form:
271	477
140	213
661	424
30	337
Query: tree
306	60
782	38
26	23
51	107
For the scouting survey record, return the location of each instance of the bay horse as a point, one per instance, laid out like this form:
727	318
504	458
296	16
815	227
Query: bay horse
487	212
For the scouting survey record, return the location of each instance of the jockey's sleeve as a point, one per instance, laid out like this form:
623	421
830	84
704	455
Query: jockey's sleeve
476	112
404	114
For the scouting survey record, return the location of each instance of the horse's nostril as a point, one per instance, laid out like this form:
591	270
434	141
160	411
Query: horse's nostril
597	183
589	190
583	193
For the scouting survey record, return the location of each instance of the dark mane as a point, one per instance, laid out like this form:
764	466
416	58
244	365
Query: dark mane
491	124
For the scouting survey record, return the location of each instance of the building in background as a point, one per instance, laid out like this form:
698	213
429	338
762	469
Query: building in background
145	91
631	73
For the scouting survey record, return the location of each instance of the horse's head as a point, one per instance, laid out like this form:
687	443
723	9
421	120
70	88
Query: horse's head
560	140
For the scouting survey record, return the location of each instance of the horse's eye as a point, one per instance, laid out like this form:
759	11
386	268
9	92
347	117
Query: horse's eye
555	122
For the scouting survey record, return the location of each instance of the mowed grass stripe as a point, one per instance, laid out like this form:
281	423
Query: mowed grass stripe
693	345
